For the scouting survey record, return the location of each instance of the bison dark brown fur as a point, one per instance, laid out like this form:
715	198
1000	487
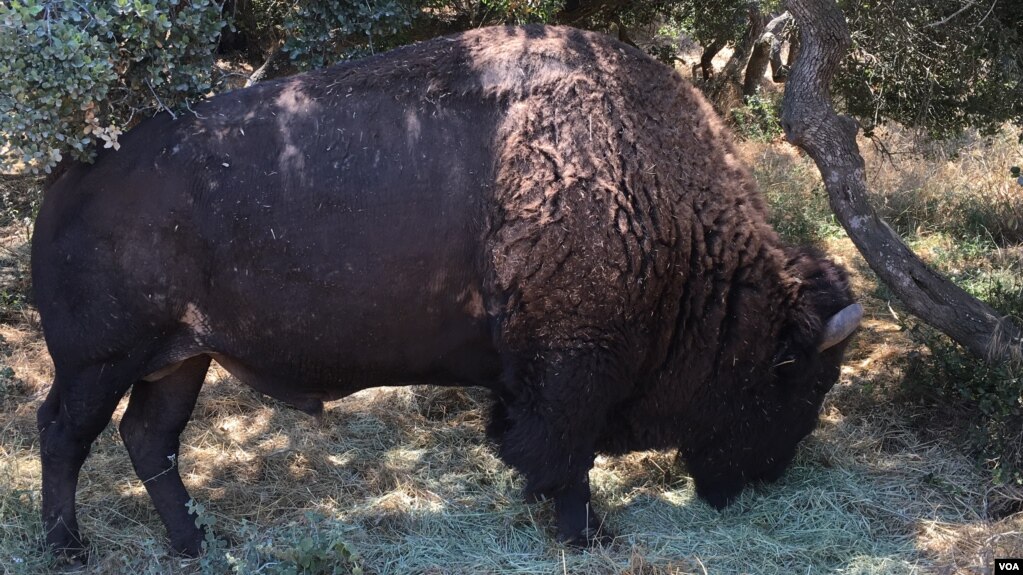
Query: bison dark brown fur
544	212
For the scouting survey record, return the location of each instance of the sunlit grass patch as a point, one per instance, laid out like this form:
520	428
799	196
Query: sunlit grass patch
410	494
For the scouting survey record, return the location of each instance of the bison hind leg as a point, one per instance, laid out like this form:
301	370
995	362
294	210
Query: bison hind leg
78	407
157	413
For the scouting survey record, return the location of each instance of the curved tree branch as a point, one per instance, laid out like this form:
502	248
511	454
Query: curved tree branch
811	123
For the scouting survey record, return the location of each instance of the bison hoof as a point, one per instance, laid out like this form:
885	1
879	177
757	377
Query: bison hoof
190	544
718	497
67	545
72	555
190	549
589	537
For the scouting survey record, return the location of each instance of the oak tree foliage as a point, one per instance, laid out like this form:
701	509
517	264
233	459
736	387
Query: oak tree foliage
78	73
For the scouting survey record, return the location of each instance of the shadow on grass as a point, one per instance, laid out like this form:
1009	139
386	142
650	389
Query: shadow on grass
405	477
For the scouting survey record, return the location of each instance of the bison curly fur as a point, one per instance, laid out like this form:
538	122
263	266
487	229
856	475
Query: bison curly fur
642	295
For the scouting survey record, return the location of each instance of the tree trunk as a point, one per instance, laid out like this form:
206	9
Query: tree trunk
726	88
790	59
780	30
811	123
707	58
732	71
767	51
758	62
623	36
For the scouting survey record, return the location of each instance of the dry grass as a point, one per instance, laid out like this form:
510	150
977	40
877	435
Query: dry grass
405	478
960	188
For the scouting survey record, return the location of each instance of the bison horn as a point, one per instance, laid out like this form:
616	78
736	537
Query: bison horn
841	325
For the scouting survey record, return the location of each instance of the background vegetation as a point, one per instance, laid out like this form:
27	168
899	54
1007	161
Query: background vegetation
79	73
75	74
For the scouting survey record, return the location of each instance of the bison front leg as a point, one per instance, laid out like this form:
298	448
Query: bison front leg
157	413
550	431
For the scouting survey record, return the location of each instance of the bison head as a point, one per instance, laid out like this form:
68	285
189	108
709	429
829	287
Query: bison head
774	409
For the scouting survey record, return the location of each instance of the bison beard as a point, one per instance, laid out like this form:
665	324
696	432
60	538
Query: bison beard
541	211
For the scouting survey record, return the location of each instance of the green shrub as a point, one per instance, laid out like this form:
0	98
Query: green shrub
320	32
78	73
12	388
987	398
904	67
759	118
20	537
315	546
523	11
802	218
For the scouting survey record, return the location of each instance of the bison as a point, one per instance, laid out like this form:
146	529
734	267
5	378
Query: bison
540	211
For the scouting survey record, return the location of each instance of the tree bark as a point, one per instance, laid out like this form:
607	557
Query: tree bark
707	58
780	30
623	36
767	51
732	72
727	87
810	122
758	62
790	59
262	71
